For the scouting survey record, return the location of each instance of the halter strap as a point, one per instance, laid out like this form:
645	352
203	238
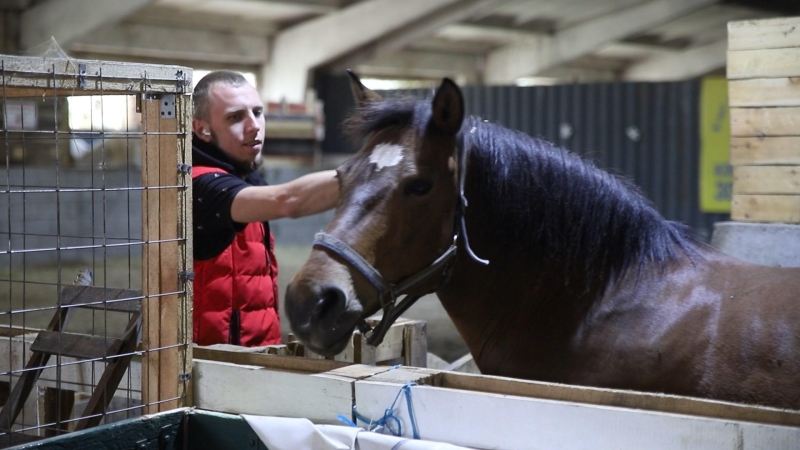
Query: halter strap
388	292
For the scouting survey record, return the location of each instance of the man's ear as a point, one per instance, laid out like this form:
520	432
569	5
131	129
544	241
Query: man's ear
201	129
360	92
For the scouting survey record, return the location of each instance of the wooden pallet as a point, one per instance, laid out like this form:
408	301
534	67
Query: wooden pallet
764	96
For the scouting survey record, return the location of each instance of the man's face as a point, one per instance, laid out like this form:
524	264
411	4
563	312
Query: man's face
236	116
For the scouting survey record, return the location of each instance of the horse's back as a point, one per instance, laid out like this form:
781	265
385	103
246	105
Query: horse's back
711	327
756	351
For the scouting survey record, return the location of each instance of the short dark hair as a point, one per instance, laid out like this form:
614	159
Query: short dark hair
200	95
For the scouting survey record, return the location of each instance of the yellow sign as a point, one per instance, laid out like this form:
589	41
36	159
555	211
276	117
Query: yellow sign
716	178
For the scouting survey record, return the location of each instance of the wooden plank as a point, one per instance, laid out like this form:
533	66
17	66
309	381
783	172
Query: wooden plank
257	390
765	208
40	75
356	371
763	63
619	398
760	92
56	410
766	180
403	375
392	350
151	286
760	122
185	261
762	34
98	298
169	265
751	151
486	420
70	375
415	344
9	331
79	346
275	362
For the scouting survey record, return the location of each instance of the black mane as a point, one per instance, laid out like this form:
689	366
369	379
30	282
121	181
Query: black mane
542	198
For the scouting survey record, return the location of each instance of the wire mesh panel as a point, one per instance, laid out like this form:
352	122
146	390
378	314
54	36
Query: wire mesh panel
94	243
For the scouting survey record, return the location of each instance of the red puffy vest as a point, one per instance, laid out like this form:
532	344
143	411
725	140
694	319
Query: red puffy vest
236	292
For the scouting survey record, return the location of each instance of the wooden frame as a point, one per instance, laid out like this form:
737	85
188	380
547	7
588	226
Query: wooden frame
484	411
166	202
764	96
166	230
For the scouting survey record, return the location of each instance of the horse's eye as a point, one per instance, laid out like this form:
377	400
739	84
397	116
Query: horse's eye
417	187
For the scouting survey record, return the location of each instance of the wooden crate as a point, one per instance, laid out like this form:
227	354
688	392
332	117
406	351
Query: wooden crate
480	411
405	343
764	97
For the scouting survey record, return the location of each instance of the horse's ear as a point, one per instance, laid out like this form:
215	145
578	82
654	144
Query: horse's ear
448	107
360	92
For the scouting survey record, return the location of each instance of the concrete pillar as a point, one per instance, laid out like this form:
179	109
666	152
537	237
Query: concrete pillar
769	244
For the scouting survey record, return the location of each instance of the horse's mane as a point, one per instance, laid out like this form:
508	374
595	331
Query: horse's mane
541	198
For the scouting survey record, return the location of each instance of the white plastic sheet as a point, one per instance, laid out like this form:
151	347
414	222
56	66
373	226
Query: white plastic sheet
280	433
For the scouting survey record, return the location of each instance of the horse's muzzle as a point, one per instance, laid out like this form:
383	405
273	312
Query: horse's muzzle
319	316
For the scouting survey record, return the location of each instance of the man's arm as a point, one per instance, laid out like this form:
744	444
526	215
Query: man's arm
309	194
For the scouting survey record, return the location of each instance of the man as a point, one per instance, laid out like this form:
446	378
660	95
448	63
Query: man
235	284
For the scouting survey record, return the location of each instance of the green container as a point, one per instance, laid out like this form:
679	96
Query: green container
179	429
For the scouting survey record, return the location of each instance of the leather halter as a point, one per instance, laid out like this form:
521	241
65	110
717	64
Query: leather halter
389	292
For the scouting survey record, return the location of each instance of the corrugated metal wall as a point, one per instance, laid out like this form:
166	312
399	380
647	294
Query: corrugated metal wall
646	131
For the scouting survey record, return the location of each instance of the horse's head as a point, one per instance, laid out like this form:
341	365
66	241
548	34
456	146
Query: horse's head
395	218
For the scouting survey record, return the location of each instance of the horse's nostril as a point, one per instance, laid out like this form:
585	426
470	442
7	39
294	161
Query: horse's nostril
330	303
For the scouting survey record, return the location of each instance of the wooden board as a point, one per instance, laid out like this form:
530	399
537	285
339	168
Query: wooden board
763	34
276	362
71	375
751	151
763	63
165	324
765	208
620	398
487	420
760	122
766	180
759	92
404	343
240	389
34	76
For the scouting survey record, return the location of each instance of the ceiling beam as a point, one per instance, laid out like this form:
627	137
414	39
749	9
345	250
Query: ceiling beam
299	49
322	6
426	26
66	20
162	42
370	28
422	64
690	63
505	65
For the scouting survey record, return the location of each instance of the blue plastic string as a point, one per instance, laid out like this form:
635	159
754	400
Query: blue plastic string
389	420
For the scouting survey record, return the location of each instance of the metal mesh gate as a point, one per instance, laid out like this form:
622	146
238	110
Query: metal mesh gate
94	243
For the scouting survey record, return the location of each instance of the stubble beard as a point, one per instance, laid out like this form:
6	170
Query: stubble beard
244	168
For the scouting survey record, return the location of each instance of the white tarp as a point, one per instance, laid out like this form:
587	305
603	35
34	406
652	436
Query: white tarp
280	433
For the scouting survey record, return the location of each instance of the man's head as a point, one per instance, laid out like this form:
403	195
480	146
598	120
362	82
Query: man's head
228	112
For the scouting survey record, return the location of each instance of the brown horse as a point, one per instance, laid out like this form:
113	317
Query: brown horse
586	283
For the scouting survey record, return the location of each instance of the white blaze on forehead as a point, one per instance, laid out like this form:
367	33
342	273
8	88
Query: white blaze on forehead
386	155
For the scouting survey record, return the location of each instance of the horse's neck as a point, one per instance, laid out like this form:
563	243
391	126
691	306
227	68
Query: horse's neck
504	304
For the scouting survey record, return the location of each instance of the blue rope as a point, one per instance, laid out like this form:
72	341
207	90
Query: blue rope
389	420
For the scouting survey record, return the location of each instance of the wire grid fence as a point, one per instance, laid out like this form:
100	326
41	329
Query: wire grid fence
94	243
